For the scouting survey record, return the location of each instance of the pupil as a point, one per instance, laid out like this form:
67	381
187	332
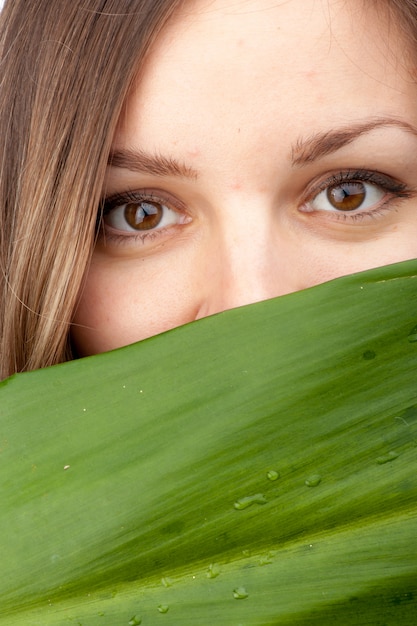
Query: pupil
346	197
143	216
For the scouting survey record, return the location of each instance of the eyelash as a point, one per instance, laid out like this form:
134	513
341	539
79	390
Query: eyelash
392	188
389	185
134	197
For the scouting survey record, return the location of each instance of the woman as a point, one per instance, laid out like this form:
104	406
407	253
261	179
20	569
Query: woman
163	161
166	160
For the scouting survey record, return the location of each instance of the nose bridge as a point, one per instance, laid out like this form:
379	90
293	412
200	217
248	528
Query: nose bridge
248	263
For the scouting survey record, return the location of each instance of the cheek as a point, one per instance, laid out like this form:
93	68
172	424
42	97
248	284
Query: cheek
329	260
121	304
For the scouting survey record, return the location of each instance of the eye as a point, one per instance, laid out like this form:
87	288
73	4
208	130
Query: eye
139	215
355	194
348	196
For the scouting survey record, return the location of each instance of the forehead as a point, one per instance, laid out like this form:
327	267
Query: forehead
242	63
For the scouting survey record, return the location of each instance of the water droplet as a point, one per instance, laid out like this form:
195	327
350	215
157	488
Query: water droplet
369	355
244	503
163	608
167	582
412	337
135	621
213	570
240	593
272	475
265	559
313	481
386	458
402	420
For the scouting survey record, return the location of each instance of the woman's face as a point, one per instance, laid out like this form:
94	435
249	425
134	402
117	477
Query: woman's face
268	147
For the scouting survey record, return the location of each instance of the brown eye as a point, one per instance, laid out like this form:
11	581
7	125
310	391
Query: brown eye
144	215
350	196
129	216
347	196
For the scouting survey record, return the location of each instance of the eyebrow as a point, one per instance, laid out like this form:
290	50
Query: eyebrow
154	164
316	146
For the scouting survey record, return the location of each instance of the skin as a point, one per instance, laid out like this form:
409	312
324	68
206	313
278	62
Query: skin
236	91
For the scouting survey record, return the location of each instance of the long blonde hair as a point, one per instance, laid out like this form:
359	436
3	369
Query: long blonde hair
66	68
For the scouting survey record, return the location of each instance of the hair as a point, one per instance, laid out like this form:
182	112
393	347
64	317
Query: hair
66	70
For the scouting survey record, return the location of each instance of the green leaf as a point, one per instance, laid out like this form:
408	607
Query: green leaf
257	467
